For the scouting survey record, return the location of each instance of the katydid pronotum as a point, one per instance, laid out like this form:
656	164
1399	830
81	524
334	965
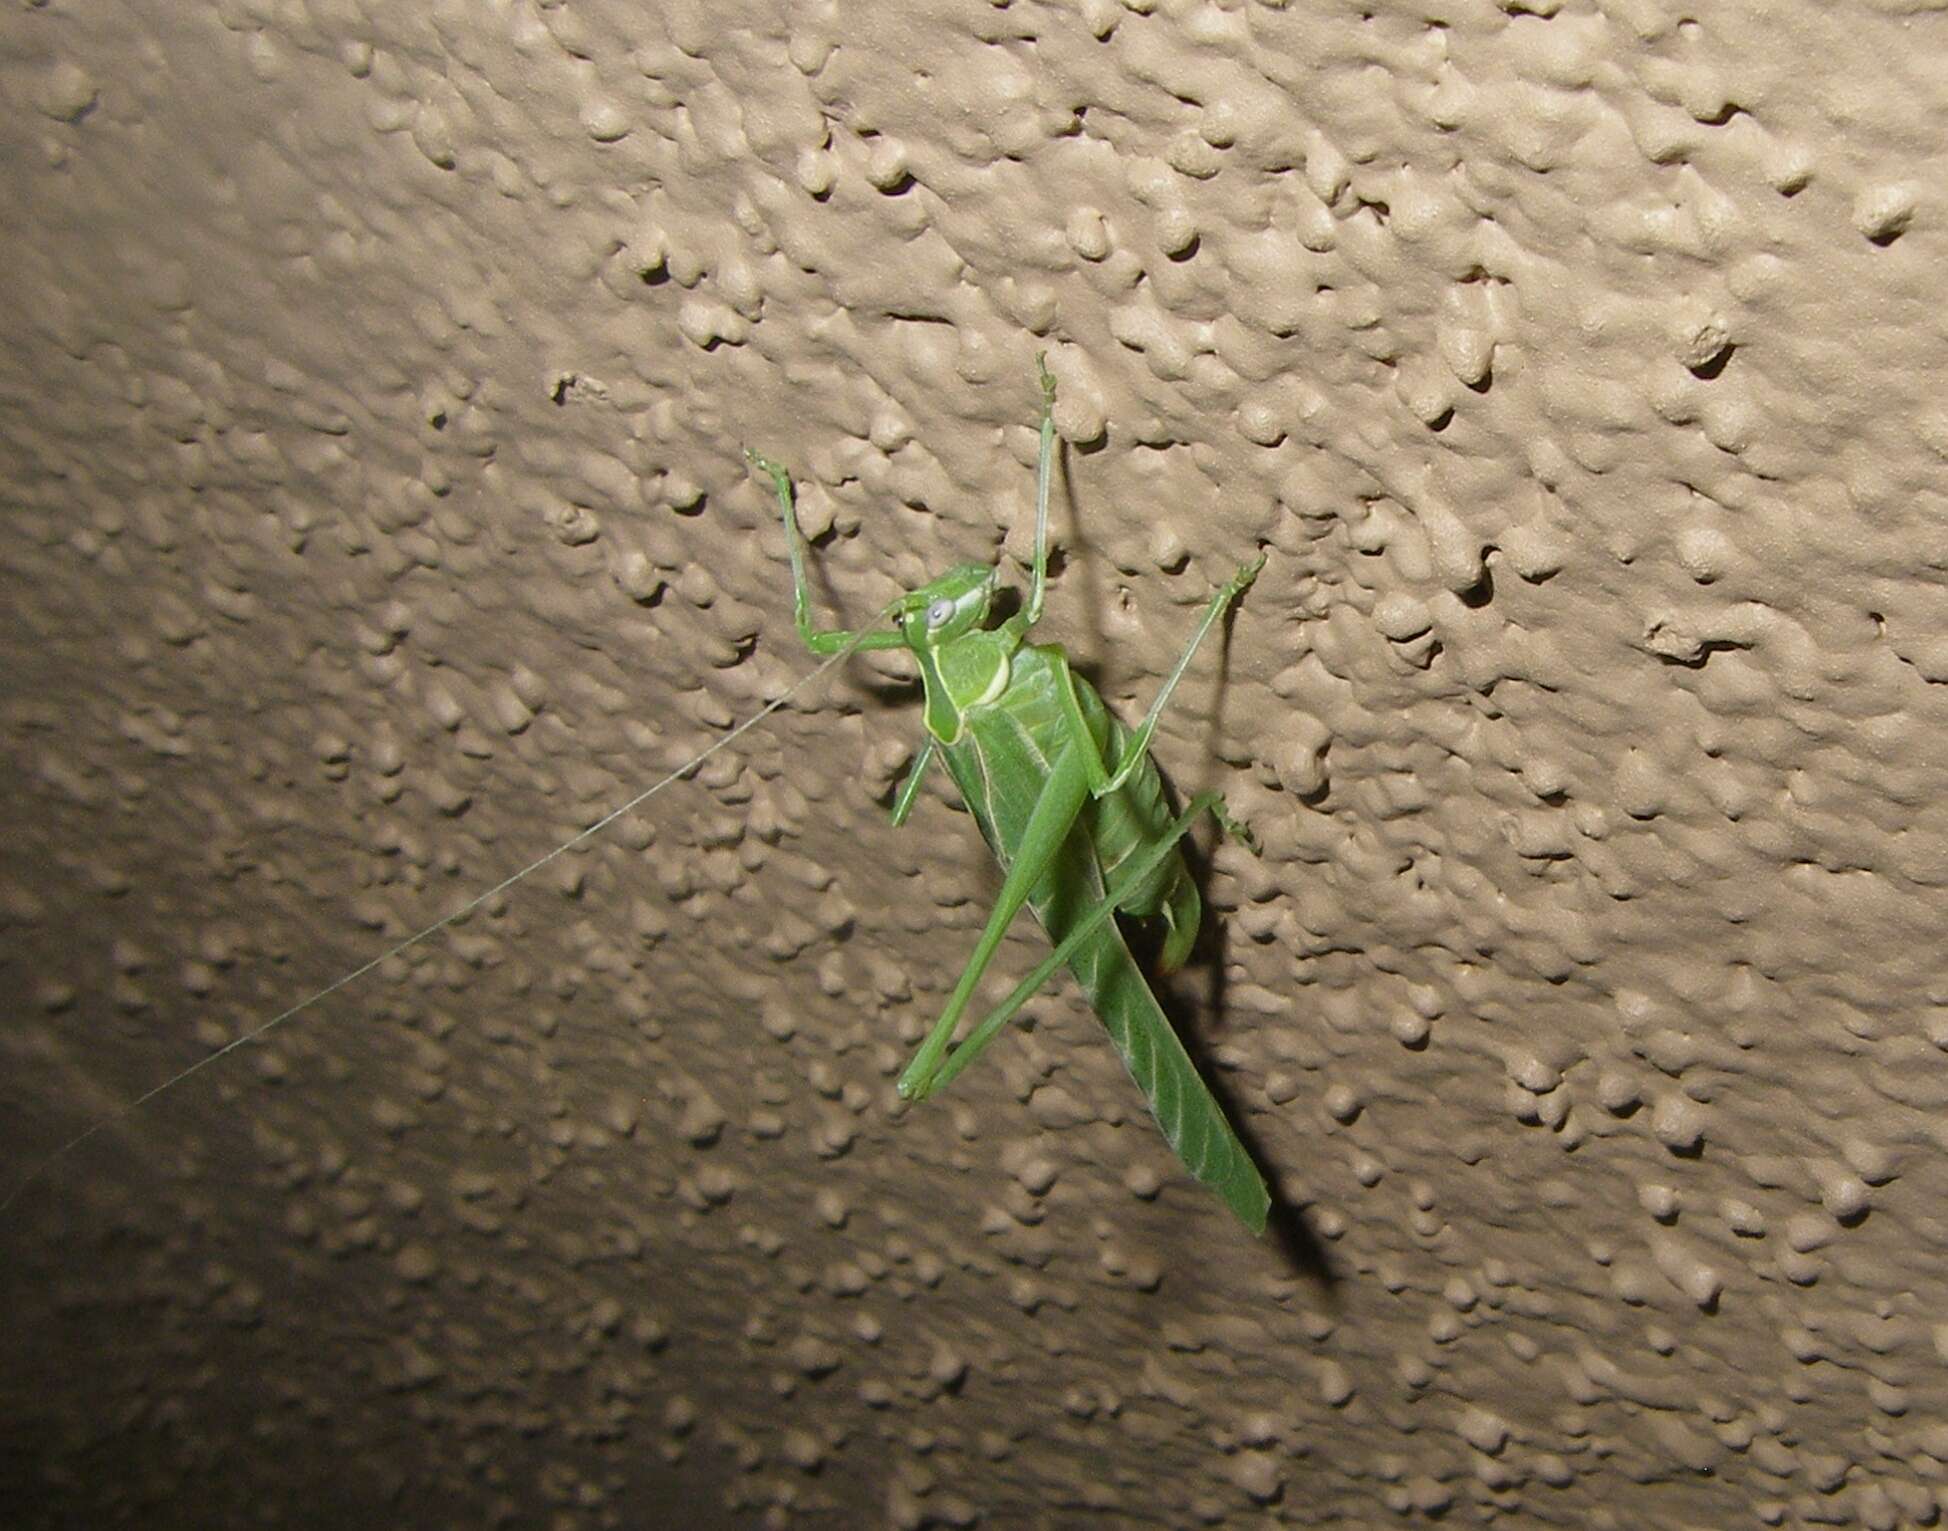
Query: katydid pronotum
1072	806
1026	741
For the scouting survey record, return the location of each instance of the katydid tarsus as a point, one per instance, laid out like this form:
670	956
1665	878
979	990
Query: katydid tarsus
1072	806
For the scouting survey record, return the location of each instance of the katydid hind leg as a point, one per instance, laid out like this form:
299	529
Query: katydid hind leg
1048	826
1091	920
1185	1110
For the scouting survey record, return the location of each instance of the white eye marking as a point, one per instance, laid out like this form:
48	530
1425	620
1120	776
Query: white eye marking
939	611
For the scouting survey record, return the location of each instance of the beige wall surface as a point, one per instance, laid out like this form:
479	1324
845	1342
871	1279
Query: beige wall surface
374	384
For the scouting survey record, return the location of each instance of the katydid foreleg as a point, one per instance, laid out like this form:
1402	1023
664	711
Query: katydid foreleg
828	641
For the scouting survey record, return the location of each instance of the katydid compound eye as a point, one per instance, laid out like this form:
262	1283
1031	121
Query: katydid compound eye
939	612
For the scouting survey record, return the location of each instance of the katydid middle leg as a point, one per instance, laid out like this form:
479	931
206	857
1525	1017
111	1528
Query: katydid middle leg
909	792
1105	779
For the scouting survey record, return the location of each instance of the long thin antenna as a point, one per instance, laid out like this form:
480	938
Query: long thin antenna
438	925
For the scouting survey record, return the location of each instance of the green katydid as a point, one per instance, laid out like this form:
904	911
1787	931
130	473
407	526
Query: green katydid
1027	742
1070	802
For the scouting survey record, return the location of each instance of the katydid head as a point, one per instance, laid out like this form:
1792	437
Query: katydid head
946	608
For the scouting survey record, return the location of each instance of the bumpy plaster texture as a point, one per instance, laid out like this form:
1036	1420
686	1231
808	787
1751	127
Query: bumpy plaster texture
375	378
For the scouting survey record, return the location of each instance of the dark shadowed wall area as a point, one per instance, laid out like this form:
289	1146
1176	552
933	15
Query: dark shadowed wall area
375	381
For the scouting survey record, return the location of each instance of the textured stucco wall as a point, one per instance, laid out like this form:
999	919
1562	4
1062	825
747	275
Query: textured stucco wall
370	411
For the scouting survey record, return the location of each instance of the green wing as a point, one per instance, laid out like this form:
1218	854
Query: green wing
1001	766
1191	1119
